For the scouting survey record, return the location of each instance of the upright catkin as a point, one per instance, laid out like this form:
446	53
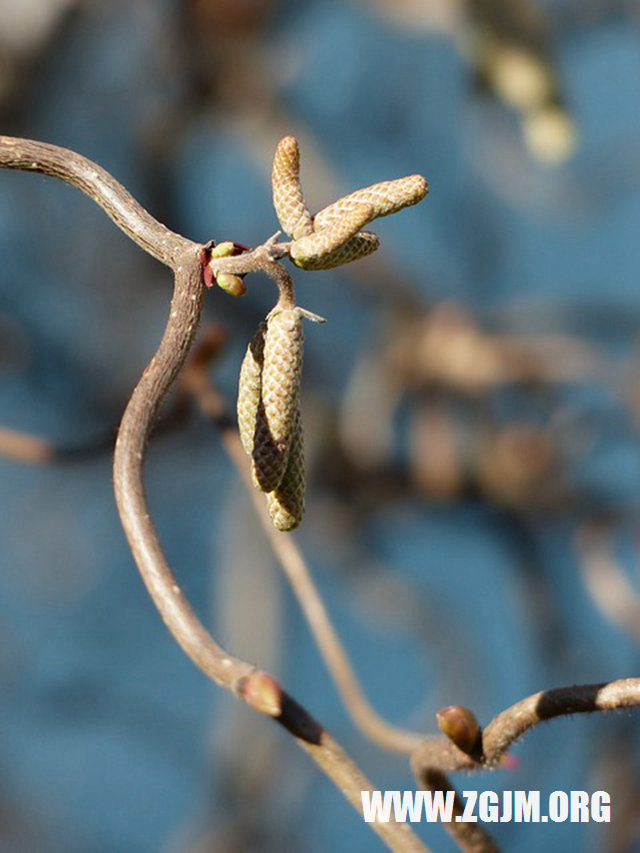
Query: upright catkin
288	200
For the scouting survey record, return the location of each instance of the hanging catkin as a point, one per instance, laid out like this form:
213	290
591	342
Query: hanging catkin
281	373
286	502
249	389
268	395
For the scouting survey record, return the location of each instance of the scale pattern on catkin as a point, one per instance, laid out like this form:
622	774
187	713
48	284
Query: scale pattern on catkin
249	389
338	244
288	201
268	459
383	198
268	413
281	373
286	502
358	246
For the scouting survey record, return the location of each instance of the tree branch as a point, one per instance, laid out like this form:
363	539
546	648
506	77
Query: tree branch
437	756
117	202
186	258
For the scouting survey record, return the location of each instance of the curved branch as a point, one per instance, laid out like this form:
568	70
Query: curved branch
155	238
510	725
186	258
256	688
437	756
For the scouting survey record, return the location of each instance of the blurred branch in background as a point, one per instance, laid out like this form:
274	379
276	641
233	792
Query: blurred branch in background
27	29
604	578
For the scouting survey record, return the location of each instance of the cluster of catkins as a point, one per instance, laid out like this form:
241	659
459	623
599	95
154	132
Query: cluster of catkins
269	414
269	388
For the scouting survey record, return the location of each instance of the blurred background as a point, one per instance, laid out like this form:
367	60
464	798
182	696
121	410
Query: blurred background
472	408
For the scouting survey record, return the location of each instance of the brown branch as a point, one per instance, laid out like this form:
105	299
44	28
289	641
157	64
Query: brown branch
296	570
437	756
186	258
72	168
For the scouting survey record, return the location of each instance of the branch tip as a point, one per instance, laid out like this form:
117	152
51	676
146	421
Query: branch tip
460	725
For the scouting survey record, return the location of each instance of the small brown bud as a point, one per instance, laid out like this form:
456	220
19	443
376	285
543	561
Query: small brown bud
263	693
460	726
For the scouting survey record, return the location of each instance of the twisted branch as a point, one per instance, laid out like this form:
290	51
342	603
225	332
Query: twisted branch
186	259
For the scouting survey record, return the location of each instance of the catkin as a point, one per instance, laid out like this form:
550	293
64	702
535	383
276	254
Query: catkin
281	373
384	198
359	246
249	389
286	502
288	201
340	242
268	395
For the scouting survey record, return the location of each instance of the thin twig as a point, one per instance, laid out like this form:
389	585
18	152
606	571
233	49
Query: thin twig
31	156
186	258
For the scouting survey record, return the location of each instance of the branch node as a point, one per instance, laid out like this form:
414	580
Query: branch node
262	692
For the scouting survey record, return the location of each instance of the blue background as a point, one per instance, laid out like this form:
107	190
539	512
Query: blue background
110	740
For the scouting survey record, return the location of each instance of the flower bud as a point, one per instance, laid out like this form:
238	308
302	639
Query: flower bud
232	284
460	726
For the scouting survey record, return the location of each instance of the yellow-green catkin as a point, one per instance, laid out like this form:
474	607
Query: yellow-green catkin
288	200
286	502
279	392
249	389
384	198
340	242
